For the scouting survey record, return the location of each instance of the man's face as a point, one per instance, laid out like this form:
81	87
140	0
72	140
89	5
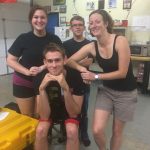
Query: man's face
77	28
54	62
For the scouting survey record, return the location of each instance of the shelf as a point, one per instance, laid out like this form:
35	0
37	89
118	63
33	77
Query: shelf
140	58
119	30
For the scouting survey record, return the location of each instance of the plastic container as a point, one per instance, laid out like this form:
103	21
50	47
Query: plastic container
17	131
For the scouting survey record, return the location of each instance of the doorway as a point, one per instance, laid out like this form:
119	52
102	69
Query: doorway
53	21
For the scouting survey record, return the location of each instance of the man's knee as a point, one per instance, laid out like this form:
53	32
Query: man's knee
42	131
72	132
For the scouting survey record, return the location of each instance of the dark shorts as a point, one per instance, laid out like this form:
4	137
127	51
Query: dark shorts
22	88
121	103
22	92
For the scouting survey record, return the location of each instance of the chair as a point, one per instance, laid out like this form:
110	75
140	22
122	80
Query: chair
57	131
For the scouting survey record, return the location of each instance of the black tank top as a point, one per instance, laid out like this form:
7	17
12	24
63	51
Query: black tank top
110	65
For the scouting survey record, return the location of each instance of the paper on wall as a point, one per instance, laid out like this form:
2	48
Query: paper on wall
140	23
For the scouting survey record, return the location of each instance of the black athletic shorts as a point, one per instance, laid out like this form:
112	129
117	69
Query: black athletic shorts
23	92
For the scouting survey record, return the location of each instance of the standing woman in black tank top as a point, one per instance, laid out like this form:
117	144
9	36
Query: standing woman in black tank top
118	96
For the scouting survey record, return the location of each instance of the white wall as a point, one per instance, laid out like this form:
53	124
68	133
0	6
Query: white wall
139	8
16	19
13	21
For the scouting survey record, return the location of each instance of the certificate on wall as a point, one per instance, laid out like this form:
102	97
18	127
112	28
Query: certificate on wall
62	21
127	4
112	3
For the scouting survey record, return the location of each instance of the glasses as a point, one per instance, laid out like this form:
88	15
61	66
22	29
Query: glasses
77	25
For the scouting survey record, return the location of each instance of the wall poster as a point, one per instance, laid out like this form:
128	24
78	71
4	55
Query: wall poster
112	3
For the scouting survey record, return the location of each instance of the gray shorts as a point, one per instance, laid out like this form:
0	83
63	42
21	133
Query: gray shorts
120	103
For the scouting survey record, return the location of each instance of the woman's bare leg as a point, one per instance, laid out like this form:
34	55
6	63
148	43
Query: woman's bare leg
116	139
100	121
26	105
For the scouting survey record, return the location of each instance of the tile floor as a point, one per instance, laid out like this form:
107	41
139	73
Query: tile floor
136	134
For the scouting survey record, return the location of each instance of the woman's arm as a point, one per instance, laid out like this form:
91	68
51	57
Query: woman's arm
35	70
123	50
12	61
74	60
41	68
86	62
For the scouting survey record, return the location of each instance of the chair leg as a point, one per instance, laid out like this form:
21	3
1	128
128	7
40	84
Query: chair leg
60	133
50	134
63	133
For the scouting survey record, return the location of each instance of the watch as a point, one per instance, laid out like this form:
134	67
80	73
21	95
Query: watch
96	76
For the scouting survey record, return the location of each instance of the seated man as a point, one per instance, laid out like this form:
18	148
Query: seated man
54	92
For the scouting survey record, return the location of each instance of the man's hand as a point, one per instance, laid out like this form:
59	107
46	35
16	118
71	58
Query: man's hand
48	77
62	81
